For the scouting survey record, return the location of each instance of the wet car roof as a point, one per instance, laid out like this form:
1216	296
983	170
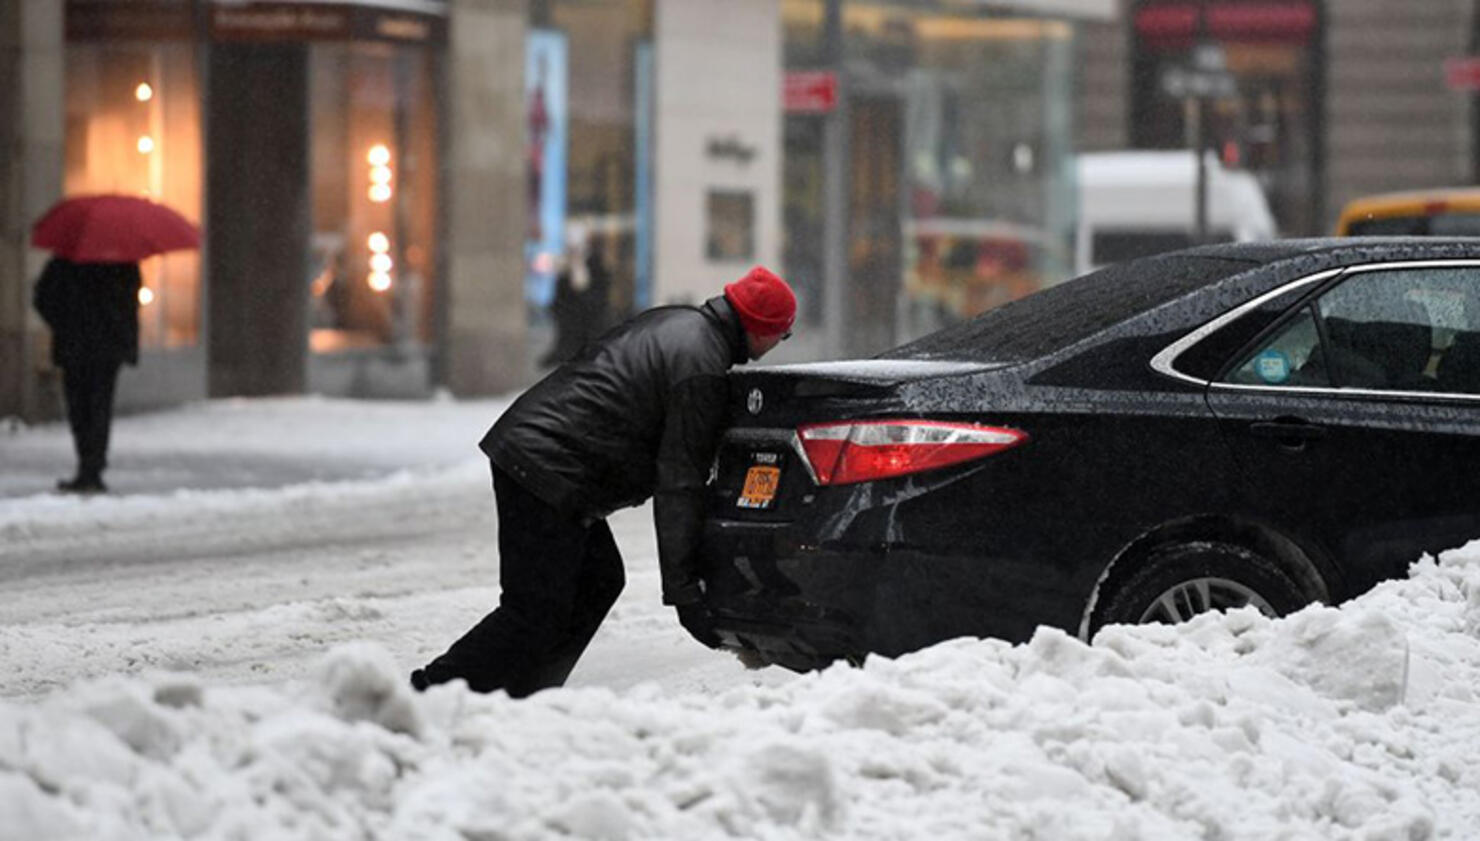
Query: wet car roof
1062	315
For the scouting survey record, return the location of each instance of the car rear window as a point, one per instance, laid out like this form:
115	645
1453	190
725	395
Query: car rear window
1062	315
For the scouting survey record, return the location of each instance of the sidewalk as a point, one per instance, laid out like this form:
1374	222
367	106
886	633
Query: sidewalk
256	443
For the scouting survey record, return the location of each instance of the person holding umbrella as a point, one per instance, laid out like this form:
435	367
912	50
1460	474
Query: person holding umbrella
93	312
88	295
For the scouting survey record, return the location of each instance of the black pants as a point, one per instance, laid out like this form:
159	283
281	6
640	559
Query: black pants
89	387
559	577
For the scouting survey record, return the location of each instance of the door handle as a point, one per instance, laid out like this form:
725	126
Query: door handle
1292	433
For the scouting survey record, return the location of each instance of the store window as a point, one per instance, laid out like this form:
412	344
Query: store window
1269	124
588	81
960	138
730	219
374	172
987	145
133	127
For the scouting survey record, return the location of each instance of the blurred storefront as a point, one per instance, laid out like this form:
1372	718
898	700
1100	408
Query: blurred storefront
694	145
1270	123
588	116
133	124
303	137
958	139
653	142
1325	101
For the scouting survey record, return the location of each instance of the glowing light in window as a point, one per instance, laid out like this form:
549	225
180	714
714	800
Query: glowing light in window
379	281
143	92
146	296
379	242
381	263
379	157
145	144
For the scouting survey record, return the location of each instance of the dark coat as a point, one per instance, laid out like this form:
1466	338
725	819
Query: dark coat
637	414
92	310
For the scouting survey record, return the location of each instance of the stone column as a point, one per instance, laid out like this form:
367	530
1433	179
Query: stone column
257	218
718	142
32	103
483	318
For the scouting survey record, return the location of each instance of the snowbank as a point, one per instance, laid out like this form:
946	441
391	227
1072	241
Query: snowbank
1358	722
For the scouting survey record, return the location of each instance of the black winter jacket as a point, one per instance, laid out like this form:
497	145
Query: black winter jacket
637	414
92	310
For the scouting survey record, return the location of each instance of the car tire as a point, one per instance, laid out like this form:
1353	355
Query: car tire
1175	582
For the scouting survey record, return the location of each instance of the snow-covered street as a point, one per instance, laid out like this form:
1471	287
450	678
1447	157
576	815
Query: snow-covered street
218	650
242	584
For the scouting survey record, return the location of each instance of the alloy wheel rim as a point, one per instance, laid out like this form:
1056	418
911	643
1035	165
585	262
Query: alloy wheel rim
1198	595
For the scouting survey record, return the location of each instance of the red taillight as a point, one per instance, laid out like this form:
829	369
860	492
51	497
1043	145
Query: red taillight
842	453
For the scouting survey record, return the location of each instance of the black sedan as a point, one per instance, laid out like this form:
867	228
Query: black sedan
1255	424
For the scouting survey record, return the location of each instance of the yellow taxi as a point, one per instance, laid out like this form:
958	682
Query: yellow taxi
1452	211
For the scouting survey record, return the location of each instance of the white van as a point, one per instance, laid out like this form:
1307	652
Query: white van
1135	203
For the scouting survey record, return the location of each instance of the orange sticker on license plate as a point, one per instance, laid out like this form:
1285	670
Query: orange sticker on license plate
760	486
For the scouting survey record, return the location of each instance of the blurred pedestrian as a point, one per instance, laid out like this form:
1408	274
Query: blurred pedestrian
93	312
582	299
636	415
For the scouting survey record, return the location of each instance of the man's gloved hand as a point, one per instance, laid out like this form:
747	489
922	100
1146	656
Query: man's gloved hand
695	619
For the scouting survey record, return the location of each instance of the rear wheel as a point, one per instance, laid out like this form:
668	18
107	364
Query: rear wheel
1176	582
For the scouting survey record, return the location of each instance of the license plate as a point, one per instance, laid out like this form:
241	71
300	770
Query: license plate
761	481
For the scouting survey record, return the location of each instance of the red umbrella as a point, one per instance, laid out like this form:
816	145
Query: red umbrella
112	229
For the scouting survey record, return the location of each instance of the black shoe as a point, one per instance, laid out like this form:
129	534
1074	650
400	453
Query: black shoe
82	485
419	680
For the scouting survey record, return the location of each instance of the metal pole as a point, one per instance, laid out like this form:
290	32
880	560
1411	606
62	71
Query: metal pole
1202	169
834	189
1202	131
1474	98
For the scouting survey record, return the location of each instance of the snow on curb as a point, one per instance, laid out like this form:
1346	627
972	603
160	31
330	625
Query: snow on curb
49	515
1357	722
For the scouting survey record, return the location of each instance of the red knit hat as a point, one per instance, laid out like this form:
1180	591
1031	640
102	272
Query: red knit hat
763	301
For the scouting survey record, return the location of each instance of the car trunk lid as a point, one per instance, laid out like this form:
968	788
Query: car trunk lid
761	470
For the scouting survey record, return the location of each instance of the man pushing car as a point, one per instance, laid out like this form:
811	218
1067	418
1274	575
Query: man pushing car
636	414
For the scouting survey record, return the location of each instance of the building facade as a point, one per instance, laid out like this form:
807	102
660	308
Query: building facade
345	237
954	137
31	152
1332	100
905	163
389	189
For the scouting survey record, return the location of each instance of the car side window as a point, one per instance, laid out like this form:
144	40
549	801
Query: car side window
1291	357
1452	299
1382	328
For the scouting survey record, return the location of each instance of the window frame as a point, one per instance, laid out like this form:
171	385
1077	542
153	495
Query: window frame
1319	283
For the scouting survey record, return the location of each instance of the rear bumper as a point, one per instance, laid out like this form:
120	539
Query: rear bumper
799	643
790	604
799	605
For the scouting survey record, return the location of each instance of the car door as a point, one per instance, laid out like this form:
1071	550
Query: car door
1355	419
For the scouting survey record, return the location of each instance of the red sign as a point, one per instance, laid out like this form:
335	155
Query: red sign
1462	73
809	91
1235	20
